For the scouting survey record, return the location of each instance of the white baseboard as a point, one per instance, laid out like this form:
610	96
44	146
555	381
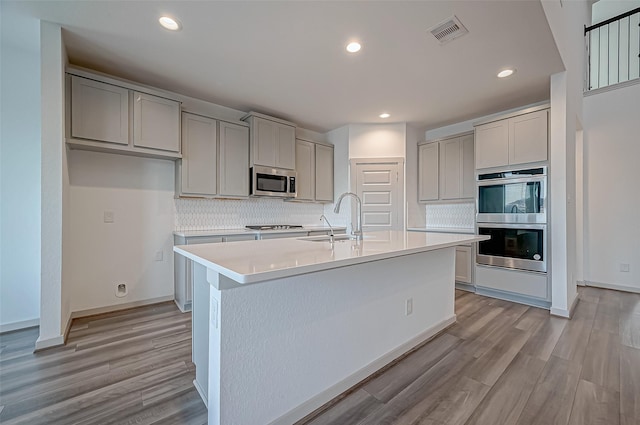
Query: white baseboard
201	392
330	393
613	286
117	307
23	324
567	314
55	341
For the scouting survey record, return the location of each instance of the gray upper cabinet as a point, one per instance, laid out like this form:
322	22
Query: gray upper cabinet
306	169
492	144
314	169
233	160
428	172
517	140
456	168
273	141
286	157
156	122
197	171
528	135
108	117
215	159
324	173
99	111
446	169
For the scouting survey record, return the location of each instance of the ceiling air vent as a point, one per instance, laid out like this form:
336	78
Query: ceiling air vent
448	30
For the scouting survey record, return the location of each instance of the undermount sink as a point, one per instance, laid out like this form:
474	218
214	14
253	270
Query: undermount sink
327	238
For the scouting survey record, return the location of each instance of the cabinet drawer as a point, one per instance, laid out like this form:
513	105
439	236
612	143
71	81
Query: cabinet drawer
517	282
236	238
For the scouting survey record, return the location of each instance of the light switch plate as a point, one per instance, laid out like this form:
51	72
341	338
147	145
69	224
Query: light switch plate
109	216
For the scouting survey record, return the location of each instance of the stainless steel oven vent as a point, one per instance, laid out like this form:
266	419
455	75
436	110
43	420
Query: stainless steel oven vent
448	30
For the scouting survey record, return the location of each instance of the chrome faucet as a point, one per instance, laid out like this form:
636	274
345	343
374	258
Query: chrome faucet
331	234
358	231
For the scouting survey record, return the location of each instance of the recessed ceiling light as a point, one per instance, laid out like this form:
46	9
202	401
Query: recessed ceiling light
353	47
505	73
170	23
384	115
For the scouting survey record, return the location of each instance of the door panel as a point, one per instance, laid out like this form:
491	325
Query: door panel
380	187
376	198
380	218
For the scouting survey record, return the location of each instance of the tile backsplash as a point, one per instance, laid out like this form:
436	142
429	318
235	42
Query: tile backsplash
206	214
451	215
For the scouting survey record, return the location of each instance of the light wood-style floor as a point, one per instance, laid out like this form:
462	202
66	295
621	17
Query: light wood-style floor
506	363
129	367
502	363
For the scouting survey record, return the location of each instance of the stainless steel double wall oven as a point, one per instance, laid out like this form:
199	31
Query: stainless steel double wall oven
512	209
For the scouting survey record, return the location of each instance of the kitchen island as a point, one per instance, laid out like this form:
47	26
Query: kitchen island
282	326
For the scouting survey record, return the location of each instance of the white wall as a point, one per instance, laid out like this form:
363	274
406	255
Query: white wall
19	171
52	300
605	9
566	21
380	141
377	140
139	191
612	231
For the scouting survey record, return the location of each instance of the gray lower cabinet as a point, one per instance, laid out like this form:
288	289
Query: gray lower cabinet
215	159
531	288
184	269
464	264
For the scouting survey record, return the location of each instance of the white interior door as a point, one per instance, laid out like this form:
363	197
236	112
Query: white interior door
380	186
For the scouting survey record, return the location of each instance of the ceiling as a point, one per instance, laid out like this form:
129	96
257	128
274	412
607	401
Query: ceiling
288	58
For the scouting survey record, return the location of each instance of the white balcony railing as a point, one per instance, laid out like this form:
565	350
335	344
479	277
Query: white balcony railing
613	50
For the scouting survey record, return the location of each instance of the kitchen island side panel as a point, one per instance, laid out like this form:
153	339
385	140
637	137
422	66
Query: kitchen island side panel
288	346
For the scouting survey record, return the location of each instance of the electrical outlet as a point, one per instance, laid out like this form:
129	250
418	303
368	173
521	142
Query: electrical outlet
159	256
109	216
121	289
624	267
408	304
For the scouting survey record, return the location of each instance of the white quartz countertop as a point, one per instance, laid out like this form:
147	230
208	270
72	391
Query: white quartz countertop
244	231
262	260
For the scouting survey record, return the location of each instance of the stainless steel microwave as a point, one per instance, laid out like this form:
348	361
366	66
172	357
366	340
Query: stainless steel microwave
275	182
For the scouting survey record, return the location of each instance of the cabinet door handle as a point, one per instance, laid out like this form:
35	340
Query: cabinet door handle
139	98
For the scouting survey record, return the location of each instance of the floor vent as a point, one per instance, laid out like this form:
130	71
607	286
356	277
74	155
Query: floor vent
448	30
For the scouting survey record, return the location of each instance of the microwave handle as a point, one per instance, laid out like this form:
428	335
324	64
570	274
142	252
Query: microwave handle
538	198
